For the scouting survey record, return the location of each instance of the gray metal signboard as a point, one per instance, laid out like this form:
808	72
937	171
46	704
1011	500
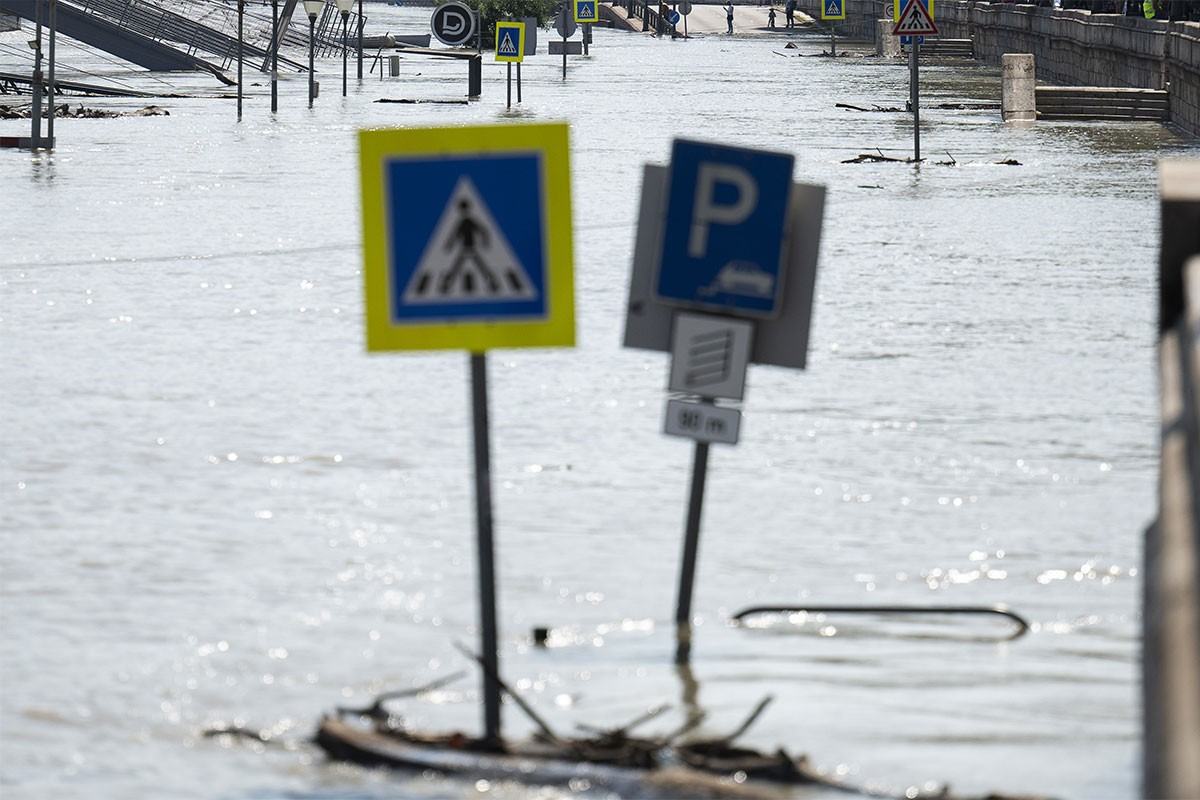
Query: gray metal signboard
782	340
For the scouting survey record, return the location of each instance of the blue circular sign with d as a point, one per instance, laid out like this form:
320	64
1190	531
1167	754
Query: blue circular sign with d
453	23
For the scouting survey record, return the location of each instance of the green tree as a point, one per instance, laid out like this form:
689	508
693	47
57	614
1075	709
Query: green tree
493	10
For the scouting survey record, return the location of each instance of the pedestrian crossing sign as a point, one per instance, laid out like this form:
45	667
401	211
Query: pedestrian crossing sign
467	237
510	41
915	20
586	11
898	6
833	9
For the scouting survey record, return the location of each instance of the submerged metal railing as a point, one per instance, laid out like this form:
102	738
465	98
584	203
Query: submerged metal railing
905	610
1171	600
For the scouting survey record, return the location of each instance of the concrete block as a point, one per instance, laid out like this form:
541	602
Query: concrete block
1017	87
886	45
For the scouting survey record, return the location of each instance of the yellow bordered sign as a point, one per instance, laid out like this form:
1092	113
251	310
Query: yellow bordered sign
587	11
467	237
510	41
833	9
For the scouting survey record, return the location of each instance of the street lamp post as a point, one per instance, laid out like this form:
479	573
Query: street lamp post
345	6
312	8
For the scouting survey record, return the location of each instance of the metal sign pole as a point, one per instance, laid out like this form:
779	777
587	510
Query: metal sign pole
691	544
915	95
51	89
35	108
361	21
518	81
274	56
241	12
564	53
509	84
487	568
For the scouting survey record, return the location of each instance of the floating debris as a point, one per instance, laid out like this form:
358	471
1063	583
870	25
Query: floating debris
64	112
414	102
887	109
872	158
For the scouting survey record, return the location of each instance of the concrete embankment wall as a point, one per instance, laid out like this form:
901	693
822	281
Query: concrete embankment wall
1070	47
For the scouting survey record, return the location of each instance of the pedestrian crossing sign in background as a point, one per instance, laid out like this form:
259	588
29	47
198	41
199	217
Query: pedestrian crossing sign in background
510	41
587	11
467	237
898	6
833	9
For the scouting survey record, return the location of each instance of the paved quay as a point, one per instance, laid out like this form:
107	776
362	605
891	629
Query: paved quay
707	19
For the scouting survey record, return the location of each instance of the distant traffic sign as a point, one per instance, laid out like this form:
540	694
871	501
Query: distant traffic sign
564	23
915	21
510	42
673	17
684	7
898	6
723	242
833	9
467	237
587	11
453	23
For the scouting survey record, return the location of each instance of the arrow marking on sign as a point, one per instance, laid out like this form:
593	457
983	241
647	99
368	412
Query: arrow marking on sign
709	357
468	258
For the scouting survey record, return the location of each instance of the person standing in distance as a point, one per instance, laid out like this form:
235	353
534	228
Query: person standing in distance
729	16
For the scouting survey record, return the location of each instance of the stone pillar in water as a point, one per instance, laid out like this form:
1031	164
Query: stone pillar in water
886	44
1018	99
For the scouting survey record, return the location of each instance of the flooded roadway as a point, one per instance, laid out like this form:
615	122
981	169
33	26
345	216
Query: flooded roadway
216	508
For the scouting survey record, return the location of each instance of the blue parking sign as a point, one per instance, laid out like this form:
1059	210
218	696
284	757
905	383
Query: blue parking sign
723	242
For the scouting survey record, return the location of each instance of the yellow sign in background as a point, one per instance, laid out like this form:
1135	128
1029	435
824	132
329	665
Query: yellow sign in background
510	42
400	219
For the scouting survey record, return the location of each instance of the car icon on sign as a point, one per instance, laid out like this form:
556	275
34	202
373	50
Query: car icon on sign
741	277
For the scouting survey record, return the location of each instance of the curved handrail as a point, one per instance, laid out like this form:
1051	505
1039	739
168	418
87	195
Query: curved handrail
1002	610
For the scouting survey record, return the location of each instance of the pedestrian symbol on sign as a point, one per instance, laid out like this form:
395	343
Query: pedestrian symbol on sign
507	47
468	258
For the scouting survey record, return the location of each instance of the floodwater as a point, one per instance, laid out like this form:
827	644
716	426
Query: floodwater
216	508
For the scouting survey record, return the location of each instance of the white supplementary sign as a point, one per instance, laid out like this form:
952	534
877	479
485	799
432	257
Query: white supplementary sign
703	422
709	355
